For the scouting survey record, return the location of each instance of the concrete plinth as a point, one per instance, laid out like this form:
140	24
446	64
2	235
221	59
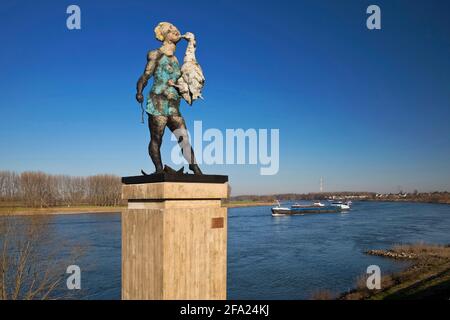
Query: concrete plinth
174	240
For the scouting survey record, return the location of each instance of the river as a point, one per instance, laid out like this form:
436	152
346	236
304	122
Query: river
270	257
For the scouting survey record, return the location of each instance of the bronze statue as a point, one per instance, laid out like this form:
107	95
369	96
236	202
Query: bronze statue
170	84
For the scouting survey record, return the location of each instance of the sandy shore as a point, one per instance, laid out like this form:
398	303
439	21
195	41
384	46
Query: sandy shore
58	210
21	211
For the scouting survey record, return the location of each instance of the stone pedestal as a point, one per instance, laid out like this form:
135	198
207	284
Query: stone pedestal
174	237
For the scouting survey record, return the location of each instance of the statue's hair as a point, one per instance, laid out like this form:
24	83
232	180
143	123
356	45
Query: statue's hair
161	30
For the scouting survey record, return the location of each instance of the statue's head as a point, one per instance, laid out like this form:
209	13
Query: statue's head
166	31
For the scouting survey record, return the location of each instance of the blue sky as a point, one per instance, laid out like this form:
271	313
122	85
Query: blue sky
367	110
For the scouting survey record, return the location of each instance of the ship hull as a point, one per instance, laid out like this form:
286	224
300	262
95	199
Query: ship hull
305	210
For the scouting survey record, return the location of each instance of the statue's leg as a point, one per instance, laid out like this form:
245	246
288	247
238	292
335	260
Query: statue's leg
177	125
156	125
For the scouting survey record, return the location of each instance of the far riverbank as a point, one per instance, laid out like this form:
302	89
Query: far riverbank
434	201
63	210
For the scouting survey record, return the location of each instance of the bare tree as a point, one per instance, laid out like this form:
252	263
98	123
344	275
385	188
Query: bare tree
37	189
9	186
29	269
78	190
3	185
104	190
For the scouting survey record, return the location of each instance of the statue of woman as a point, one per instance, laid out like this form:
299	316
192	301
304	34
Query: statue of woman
163	103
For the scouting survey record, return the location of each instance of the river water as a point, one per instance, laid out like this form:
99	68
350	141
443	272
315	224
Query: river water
271	257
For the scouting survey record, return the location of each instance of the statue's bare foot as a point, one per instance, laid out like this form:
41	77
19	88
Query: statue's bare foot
195	168
169	170
156	172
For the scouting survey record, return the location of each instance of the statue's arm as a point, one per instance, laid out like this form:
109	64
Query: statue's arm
152	58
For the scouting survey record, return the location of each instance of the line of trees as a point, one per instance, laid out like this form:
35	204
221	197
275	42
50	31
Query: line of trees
39	189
